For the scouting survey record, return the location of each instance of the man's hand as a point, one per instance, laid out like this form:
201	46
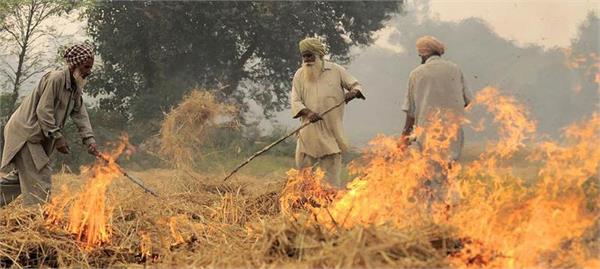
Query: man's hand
311	115
61	145
93	149
404	141
349	96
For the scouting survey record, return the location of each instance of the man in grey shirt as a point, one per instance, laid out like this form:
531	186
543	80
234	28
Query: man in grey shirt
436	86
35	130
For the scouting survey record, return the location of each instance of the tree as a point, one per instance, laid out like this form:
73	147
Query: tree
153	52
585	54
535	75
22	32
3	11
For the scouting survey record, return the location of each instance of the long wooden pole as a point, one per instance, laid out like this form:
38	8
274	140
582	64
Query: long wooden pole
265	149
132	178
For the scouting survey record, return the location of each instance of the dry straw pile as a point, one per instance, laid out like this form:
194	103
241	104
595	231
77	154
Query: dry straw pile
200	222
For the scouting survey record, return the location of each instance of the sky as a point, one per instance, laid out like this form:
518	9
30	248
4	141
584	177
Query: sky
547	23
544	22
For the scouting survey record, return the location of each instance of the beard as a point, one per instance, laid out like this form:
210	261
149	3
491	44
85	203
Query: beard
312	71
79	80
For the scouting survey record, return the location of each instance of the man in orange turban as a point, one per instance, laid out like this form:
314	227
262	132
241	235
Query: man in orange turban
436	87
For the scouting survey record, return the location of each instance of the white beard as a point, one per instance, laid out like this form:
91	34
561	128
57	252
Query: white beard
311	72
79	80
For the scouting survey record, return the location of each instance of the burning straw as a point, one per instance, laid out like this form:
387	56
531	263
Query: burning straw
204	223
500	220
380	220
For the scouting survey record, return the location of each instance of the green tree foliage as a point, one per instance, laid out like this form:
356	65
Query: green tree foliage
153	52
3	11
588	38
585	56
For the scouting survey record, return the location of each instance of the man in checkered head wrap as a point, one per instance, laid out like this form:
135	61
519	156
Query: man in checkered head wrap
80	59
78	54
36	129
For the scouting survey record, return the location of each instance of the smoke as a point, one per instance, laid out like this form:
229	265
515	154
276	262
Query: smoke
555	93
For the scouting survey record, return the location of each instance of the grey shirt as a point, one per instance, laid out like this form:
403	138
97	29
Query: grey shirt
437	85
41	117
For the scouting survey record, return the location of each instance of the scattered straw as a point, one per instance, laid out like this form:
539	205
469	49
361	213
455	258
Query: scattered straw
186	127
205	223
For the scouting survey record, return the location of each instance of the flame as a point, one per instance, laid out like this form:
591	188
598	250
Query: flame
588	65
572	60
177	237
515	125
502	220
88	214
526	225
390	170
304	190
145	245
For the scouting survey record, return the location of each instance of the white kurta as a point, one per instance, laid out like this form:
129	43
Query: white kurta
437	85
324	137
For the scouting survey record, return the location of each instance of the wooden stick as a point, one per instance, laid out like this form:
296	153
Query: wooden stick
132	178
265	149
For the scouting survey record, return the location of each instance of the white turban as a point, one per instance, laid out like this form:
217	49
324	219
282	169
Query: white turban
428	45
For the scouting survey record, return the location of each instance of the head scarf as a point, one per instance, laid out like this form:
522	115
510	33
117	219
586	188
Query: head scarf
428	45
78	54
313	45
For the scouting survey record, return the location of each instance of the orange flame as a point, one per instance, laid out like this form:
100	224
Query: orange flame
588	65
89	213
391	171
527	226
515	125
174	232
502	221
305	190
145	245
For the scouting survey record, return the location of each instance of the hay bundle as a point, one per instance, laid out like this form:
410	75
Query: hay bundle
186	127
200	223
304	243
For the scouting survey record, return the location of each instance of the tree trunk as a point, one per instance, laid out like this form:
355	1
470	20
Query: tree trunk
22	53
1	136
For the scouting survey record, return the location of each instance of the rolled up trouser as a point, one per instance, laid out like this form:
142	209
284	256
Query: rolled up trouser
10	188
11	178
35	184
330	164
